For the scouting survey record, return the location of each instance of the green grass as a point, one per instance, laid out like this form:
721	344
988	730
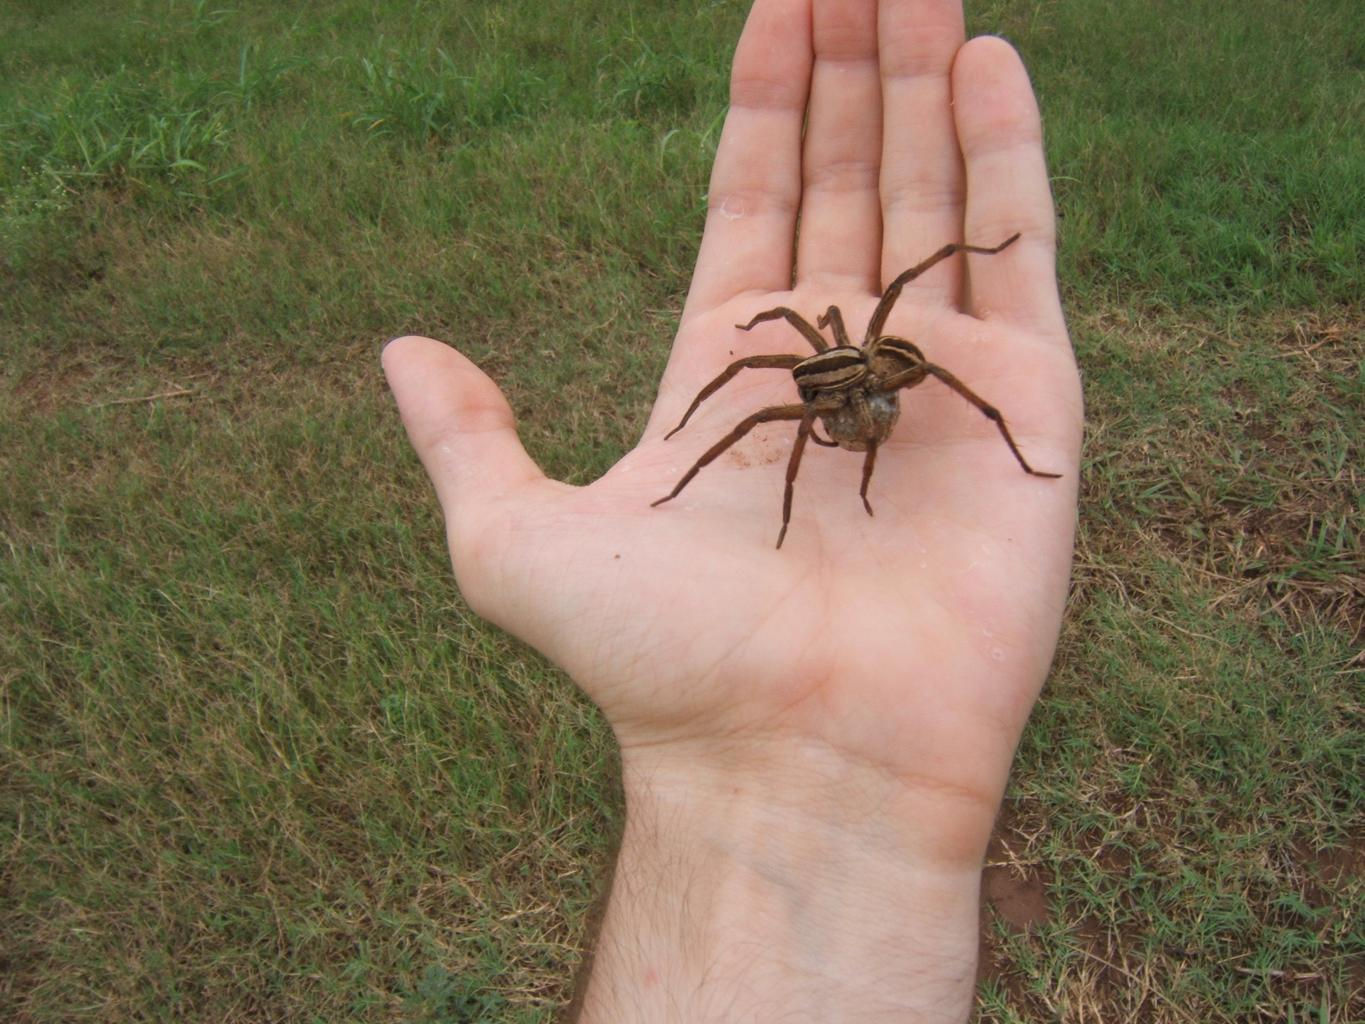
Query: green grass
258	762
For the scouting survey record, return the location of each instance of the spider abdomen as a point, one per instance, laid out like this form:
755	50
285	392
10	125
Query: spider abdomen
863	416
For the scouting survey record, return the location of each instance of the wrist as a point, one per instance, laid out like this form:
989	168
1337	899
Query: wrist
936	822
804	888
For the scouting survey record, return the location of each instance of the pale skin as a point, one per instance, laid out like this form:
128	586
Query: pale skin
815	741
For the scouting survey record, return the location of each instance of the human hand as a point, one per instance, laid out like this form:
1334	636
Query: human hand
874	665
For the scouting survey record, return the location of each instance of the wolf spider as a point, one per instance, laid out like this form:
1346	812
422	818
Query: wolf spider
853	391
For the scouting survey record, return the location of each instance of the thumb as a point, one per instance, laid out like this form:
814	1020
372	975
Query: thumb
460	425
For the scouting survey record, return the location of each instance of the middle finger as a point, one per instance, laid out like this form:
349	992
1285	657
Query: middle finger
840	233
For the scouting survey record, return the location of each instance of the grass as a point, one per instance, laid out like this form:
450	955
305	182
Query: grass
258	762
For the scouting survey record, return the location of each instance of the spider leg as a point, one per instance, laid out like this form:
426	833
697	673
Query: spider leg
776	412
820	440
836	318
988	410
868	462
893	290
795	319
755	362
793	464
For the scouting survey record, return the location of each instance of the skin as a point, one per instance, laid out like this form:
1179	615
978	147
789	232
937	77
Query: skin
815	741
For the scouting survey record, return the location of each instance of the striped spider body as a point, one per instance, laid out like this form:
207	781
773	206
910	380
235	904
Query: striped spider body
852	391
844	387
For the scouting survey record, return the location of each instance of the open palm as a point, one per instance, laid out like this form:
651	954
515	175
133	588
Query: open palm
914	641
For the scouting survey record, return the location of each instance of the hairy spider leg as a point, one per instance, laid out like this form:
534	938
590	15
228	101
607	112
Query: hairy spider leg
893	290
841	337
869	461
821	441
911	376
751	362
795	319
793	464
833	317
776	412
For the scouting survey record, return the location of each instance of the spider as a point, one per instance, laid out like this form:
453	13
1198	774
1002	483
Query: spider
853	391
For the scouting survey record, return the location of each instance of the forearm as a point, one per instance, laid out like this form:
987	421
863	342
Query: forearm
787	895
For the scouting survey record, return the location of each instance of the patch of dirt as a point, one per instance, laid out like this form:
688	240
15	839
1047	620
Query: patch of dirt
1015	893
1018	900
1324	873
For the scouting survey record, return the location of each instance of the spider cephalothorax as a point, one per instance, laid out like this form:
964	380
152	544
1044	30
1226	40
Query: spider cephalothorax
854	391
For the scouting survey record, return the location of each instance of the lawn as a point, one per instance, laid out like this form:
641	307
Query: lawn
258	762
